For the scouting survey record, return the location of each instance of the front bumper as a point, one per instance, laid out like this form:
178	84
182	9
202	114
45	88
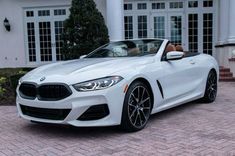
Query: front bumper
77	104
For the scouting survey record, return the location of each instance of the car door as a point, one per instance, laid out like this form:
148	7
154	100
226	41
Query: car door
178	78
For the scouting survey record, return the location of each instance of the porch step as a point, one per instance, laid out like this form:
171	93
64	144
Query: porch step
227	79
232	59
224	70
226	75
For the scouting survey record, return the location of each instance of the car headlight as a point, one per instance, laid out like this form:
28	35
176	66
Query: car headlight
97	84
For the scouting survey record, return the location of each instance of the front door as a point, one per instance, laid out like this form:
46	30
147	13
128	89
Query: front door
44	28
178	79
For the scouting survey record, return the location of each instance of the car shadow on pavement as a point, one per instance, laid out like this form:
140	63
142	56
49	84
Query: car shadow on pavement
67	131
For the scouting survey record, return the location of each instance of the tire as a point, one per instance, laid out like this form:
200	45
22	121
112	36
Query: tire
137	107
211	88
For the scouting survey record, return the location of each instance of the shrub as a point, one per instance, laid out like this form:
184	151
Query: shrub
85	29
2	83
14	79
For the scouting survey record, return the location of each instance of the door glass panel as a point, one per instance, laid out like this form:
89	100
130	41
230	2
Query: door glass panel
193	4
208	33
44	13
142	27
58	12
128	24
31	42
159	27
176	30
176	5
193	32
142	6
59	29
158	5
29	13
208	3
128	6
45	41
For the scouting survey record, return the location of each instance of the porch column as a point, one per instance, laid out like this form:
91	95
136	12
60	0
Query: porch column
115	22
223	18
231	36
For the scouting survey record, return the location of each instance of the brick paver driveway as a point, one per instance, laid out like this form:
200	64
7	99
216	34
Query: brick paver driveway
192	129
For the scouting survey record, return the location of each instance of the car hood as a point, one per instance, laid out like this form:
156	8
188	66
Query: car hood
80	70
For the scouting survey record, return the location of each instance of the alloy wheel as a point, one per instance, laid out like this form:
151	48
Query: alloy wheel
212	86
139	106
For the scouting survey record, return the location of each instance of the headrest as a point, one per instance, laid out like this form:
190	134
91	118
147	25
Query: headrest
170	47
179	48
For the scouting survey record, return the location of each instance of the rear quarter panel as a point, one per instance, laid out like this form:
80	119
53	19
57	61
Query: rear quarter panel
205	63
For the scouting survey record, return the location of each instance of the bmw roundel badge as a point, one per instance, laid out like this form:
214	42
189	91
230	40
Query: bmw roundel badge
42	79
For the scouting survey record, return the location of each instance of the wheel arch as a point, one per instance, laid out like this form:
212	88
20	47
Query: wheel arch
146	82
214	70
216	73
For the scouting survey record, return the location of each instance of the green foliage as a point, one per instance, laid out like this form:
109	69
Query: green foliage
14	80
22	72
2	89
9	78
85	29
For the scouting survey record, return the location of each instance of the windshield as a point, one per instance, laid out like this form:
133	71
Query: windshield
127	48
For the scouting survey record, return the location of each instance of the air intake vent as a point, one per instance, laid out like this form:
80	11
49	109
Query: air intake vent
95	113
43	113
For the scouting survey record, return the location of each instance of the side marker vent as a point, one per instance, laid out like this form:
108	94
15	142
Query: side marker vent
160	88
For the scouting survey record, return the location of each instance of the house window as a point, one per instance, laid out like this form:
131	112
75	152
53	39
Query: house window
176	30
158	5
193	32
208	3
44	13
58	12
141	6
176	5
45	41
31	42
193	4
142	27
208	33
128	22
128	6
159	27
29	13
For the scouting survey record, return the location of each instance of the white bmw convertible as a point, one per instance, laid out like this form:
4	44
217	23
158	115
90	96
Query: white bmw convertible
120	83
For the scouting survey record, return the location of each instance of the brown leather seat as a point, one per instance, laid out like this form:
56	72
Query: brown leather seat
134	52
170	47
179	48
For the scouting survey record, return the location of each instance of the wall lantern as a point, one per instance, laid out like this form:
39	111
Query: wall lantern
7	24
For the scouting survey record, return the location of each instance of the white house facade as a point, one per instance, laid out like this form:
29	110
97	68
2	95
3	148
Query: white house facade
34	38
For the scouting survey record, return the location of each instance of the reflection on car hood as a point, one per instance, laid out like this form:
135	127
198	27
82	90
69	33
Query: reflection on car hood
85	69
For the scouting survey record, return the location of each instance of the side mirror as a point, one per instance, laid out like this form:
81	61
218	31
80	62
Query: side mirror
174	55
83	56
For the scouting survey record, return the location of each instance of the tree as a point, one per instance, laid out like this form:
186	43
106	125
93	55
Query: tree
85	29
